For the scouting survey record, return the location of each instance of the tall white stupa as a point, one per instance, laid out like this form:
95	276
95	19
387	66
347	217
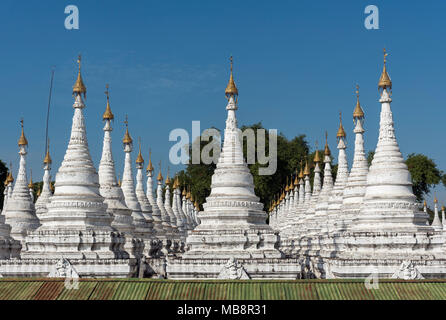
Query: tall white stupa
77	225
19	211
233	223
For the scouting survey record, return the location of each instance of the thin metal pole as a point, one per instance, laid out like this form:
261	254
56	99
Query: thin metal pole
48	111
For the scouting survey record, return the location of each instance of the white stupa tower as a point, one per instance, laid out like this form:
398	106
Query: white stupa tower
232	211
76	224
156	212
19	211
142	226
45	194
146	208
389	203
109	187
335	200
354	190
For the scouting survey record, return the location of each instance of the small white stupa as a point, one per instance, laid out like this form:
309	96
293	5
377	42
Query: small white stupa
46	193
19	211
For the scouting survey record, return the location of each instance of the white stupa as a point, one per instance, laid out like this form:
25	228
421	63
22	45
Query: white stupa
46	193
357	179
109	187
389	203
19	210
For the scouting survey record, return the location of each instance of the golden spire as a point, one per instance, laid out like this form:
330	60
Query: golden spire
119	181
47	159
139	158
341	131
79	87
317	157
22	139
175	183
286	185
191	196
197	206
231	89
31	184
150	166
327	149
291	187
127	138
39	191
184	193
307	171
384	80
167	178
425	204
160	176
435	199
358	113
9	177
296	180
188	194
301	173
108	115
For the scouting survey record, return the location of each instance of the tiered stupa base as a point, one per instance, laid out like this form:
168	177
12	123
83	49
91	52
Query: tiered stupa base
85	268
361	254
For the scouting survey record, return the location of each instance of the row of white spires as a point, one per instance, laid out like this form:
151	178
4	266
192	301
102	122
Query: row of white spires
332	207
328	207
133	210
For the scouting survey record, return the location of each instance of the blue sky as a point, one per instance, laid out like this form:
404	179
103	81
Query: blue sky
295	63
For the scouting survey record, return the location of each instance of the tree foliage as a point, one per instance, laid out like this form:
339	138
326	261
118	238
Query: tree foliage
3	174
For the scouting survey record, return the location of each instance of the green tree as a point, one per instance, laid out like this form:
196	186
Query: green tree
3	174
425	174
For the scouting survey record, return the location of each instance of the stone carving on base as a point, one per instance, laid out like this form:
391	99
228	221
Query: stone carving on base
233	270
407	271
63	269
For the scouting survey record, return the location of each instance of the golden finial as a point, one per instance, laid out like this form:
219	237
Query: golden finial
291	187
286	185
39	191
307	171
327	149
47	159
317	157
52	187
435	199
384	80
108	115
150	166
31	184
188	194
341	131
127	138
184	193
160	176
301	173
197	206
167	178
192	197
9	178
296	180
358	113
442	208
79	87
425	204
119	181
175	183
231	89
22	139
139	158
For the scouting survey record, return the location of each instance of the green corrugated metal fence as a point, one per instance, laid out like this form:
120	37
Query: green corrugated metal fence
149	289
